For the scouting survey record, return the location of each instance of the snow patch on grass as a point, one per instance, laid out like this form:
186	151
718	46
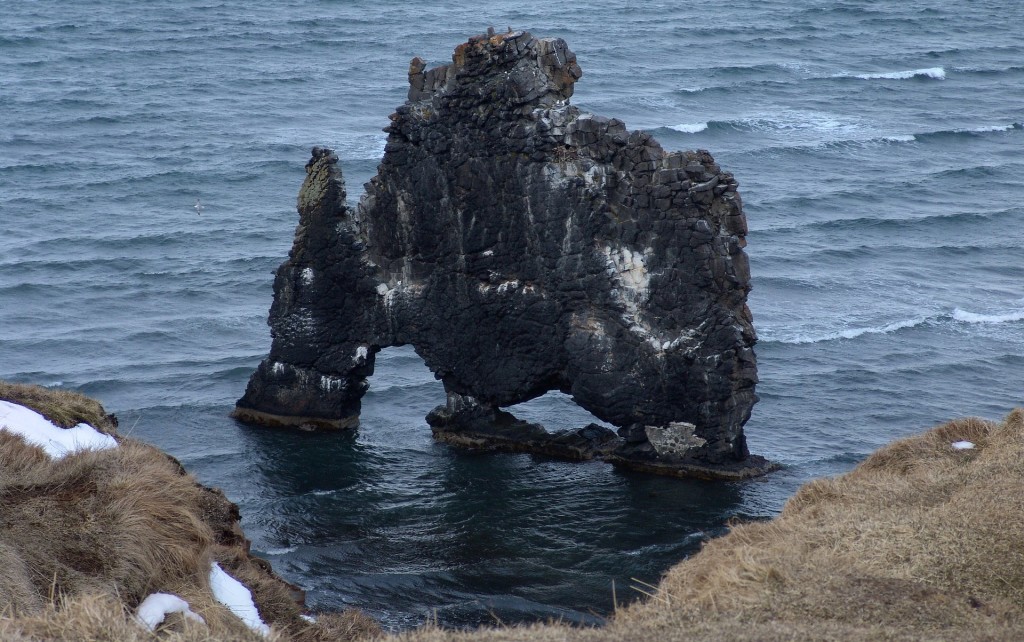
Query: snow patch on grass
233	594
157	606
56	441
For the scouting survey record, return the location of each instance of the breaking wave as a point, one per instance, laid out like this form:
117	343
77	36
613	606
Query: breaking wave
848	333
936	73
689	128
814	130
972	317
968	132
899	138
786	121
957	315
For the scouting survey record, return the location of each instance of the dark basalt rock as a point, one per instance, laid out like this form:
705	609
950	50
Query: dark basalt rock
523	246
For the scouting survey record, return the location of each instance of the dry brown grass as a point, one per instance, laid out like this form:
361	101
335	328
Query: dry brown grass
85	538
62	407
351	624
919	542
113	521
102	618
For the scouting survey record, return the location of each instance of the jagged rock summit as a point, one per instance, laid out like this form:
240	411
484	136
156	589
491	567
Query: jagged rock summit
522	246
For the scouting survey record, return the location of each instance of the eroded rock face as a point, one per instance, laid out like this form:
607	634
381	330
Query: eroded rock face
523	246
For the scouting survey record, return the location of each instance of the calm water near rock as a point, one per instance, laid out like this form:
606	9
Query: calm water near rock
878	153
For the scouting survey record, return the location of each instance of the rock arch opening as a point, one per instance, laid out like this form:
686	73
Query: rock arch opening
556	411
401	389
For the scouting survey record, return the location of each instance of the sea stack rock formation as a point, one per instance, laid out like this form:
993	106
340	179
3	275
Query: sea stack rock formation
522	246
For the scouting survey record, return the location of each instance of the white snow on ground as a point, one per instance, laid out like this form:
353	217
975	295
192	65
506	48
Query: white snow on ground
233	594
56	441
962	445
157	606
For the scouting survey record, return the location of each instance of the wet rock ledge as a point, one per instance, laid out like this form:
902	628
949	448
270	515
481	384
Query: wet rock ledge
523	246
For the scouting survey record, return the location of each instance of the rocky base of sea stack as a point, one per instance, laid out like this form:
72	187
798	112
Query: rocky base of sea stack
464	424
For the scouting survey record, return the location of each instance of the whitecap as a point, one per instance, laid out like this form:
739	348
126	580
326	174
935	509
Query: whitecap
806	122
906	138
689	128
849	333
972	317
987	129
938	73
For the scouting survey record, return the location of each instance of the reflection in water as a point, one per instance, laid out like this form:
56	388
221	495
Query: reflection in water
385	516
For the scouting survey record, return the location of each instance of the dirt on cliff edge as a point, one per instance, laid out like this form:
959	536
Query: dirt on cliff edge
85	538
922	541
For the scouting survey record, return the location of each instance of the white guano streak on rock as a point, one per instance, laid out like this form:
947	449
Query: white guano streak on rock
302	321
307	275
567	239
501	288
629	270
361	353
329	383
590	177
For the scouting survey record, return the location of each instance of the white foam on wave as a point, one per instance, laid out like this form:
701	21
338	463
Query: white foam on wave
807	126
986	129
902	138
689	128
938	73
963	316
971	317
849	333
359	146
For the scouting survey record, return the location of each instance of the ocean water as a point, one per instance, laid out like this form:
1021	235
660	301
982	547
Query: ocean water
879	150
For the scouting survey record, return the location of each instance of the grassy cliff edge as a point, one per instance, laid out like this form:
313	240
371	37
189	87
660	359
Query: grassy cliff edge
84	539
921	541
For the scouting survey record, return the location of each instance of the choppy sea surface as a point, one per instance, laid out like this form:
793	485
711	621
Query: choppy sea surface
879	150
